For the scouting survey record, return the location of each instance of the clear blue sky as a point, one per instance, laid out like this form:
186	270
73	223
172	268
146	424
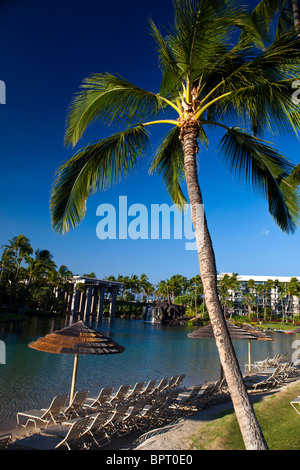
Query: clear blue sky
46	49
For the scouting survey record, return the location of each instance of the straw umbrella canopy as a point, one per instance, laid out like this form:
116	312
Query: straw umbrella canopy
256	331
76	339
235	332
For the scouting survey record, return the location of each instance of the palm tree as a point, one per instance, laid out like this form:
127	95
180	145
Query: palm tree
64	273
227	285
206	82
6	261
143	281
265	290
195	284
249	302
19	246
289	290
162	290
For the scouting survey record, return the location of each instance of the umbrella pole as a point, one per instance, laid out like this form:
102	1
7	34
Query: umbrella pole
75	368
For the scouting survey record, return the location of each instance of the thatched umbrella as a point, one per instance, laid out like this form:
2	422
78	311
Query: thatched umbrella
261	336
76	339
256	331
235	332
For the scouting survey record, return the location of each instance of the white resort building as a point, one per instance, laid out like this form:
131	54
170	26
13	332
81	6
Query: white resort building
273	294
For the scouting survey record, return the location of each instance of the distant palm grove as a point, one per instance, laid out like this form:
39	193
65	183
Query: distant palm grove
31	282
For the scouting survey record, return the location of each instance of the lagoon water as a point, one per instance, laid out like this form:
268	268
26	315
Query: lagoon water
30	378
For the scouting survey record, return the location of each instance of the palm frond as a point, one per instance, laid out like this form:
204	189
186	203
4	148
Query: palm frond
270	11
168	162
267	106
109	98
202	34
172	75
260	85
93	168
295	175
266	171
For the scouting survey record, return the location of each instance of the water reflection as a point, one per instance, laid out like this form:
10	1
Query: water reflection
31	378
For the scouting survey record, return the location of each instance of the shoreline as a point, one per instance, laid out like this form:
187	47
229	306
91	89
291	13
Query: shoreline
176	436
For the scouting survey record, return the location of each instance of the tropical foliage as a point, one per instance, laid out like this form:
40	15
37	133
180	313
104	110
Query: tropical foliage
222	67
30	279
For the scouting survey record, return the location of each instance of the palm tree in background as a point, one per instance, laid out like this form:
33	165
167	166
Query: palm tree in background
195	285
207	83
7	262
19	246
227	285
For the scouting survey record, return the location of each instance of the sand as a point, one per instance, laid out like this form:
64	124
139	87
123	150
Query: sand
172	437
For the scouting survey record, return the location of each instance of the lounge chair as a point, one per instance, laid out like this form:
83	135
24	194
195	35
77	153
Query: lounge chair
5	440
188	397
76	405
97	422
166	409
44	416
172	381
99	427
179	380
52	442
119	413
135	392
118	396
163	385
96	402
296	404
149	415
267	381
149	389
176	381
130	418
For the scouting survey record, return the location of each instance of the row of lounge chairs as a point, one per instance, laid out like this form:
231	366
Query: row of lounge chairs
268	362
97	420
82	404
272	377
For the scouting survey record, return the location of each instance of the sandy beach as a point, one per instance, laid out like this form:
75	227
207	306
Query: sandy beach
172	437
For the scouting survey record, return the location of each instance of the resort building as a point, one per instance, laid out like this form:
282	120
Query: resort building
271	294
88	296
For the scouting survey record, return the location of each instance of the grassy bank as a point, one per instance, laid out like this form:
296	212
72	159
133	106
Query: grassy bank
278	420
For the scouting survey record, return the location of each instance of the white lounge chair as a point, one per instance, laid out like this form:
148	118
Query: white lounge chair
296	404
150	388
135	392
76	404
97	422
118	396
52	442
43	416
99	427
187	397
96	402
163	385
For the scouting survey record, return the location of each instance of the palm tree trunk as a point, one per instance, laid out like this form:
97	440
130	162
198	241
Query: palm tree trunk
250	429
